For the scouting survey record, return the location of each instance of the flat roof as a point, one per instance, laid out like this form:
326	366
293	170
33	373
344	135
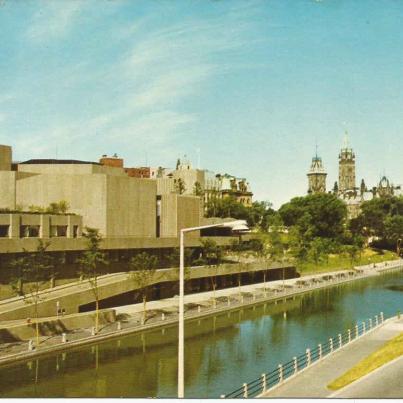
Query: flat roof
57	161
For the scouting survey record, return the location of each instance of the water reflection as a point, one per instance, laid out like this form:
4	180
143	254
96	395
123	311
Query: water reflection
221	352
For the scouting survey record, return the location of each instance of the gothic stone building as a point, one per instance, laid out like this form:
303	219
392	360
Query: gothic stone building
346	188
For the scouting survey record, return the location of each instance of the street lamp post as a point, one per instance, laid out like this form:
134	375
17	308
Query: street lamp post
181	342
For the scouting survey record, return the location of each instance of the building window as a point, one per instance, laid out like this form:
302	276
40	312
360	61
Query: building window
58	230
75	231
29	231
4	231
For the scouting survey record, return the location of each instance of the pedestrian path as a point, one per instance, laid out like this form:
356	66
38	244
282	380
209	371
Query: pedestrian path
312	382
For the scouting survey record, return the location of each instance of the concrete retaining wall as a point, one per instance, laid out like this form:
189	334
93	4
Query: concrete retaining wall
63	324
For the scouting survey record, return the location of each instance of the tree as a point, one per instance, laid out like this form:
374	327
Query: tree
351	251
197	189
394	228
381	218
180	186
35	268
317	215
90	262
142	271
173	257
59	207
211	252
317	249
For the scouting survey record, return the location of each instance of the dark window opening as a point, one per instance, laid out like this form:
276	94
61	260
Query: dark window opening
4	231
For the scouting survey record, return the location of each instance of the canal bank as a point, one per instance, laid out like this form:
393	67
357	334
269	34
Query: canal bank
313	381
221	351
164	313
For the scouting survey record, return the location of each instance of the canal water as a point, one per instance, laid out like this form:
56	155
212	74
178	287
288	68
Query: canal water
221	352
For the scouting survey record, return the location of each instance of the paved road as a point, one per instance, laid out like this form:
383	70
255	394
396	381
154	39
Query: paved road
313	381
386	382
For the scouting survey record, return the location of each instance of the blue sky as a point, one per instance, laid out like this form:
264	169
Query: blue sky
252	84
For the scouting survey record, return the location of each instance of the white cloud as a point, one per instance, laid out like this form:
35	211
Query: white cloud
53	19
155	73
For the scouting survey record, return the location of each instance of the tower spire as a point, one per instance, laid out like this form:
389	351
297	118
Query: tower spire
346	140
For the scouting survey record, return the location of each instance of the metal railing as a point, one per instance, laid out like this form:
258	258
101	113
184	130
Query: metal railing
285	371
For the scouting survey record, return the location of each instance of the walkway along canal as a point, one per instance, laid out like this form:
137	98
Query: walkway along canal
222	351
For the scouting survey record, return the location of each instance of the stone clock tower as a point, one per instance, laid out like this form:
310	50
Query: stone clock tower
346	167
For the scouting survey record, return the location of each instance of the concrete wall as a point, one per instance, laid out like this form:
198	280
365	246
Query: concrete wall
189	177
71	169
5	158
177	212
169	219
74	297
51	327
7	189
188	213
85	194
165	186
131	207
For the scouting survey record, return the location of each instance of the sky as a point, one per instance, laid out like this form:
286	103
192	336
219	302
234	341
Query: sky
253	85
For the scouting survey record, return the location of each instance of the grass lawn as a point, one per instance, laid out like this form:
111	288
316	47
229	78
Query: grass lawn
391	350
343	262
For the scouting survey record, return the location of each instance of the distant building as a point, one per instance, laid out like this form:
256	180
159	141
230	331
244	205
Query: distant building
316	176
346	188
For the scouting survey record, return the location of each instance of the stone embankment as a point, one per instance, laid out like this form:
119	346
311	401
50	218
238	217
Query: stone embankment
165	312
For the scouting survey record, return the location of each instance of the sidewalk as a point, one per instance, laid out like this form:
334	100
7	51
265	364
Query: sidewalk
312	383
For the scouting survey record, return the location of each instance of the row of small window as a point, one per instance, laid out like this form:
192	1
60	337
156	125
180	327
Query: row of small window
32	231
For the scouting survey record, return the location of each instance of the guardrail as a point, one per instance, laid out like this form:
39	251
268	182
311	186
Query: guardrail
291	368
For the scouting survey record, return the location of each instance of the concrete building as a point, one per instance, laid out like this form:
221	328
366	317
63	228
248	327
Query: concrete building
127	210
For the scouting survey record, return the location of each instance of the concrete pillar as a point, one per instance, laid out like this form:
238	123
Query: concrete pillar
349	335
363	327
331	345
44	229
228	301
93	331
295	364
340	341
381	314
320	350
198	308
263	383
70	229
370	323
245	390
30	345
356	331
64	338
119	324
376	320
280	373
308	357
163	316
14	229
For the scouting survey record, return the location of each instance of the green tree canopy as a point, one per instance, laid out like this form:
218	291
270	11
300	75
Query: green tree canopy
318	215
